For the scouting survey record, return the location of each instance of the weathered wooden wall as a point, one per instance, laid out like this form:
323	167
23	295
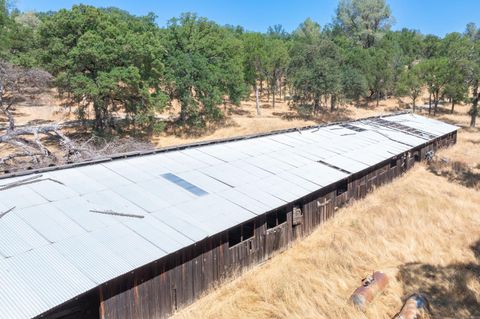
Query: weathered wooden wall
160	288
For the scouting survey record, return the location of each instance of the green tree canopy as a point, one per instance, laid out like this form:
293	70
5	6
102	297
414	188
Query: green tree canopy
204	66
106	59
314	70
472	32
4	29
113	64
431	46
472	75
435	74
410	84
276	63
366	21
255	61
456	48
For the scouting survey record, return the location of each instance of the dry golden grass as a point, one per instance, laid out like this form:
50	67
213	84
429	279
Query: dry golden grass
461	163
243	119
423	230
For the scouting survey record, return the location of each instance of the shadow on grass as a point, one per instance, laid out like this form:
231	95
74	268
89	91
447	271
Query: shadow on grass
453	290
304	112
180	129
239	111
456	171
451	121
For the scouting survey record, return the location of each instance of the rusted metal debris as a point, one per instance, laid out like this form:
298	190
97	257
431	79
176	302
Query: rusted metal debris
415	307
6	212
372	286
114	213
29	180
16	183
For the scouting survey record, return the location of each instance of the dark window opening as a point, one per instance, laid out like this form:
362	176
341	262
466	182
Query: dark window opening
342	188
282	217
416	155
241	233
248	230
393	163
352	127
271	220
234	236
276	218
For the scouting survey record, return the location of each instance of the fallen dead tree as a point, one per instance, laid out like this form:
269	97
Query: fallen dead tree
47	145
35	146
27	142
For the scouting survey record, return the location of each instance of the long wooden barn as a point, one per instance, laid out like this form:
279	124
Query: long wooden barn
142	235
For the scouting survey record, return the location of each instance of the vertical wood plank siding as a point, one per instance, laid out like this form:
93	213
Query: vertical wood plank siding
160	288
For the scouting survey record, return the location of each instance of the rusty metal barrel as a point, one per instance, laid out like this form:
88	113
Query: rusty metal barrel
415	307
371	286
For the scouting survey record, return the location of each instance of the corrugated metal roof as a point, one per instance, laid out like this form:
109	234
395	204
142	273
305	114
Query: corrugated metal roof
54	248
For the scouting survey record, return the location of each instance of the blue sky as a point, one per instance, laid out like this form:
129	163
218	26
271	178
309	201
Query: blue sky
429	16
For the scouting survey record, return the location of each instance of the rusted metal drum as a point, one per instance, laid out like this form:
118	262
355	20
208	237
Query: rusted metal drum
371	287
416	307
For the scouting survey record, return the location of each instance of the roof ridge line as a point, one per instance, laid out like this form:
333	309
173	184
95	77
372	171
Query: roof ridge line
26	172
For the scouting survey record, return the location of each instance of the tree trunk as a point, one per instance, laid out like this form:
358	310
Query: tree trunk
333	100
378	99
453	106
273	97
316	101
474	109
1	94
98	117
413	104
429	103
183	112
257	99
280	89
435	101
268	93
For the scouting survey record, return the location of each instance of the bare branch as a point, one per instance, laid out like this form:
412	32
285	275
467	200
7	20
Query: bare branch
27	181
8	114
14	156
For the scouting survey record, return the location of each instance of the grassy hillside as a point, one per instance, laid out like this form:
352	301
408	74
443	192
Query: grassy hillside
423	230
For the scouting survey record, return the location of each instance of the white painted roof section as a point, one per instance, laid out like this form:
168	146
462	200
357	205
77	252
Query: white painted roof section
54	248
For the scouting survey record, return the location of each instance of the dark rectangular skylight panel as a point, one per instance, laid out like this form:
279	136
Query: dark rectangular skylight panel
352	127
184	184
